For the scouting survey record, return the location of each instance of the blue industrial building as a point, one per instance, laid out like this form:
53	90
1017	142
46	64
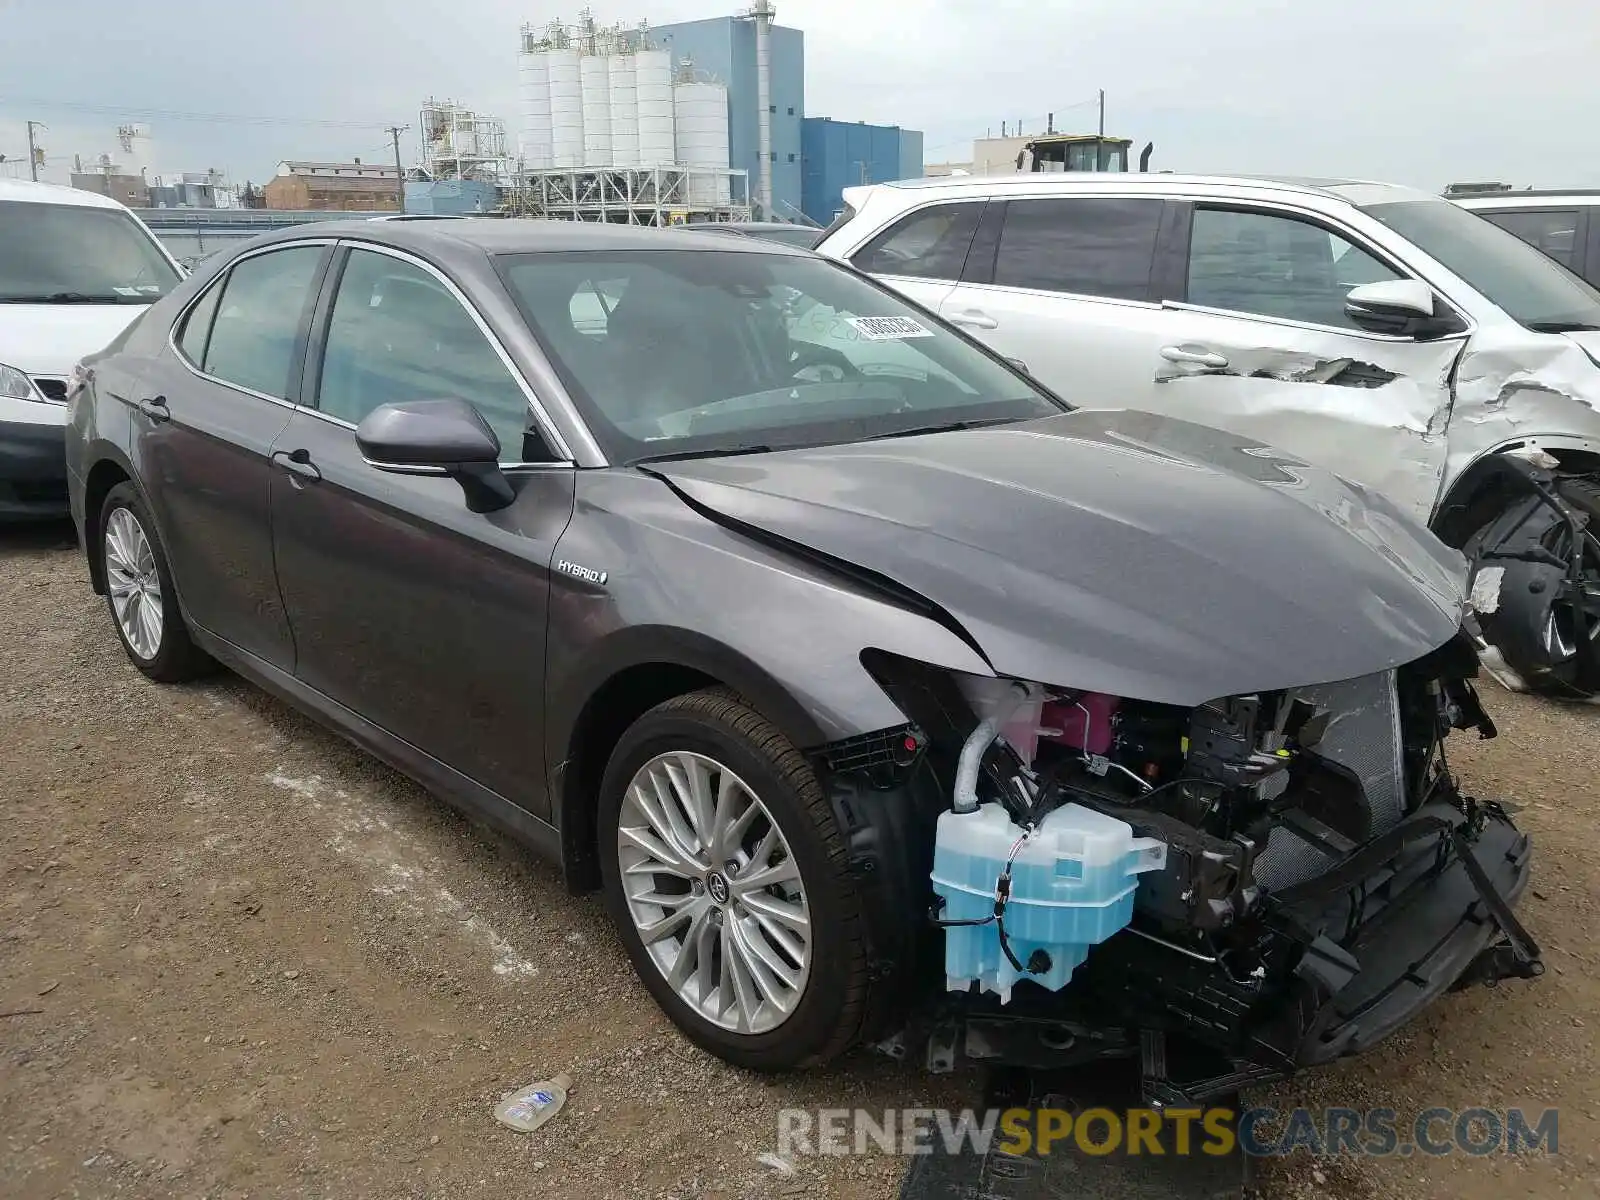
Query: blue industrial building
450	197
841	154
723	49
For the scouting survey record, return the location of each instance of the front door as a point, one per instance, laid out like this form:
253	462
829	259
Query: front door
203	426
1258	342
1066	289
422	617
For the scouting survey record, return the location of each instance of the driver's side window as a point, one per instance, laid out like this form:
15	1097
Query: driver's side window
931	243
1272	265
397	333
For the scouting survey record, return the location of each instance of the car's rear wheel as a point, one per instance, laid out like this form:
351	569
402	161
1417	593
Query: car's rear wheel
726	874
139	592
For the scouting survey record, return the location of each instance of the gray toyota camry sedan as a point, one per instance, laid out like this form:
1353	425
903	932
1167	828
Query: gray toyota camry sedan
889	698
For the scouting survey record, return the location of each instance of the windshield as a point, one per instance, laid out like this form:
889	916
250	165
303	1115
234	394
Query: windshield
73	254
1535	290
674	352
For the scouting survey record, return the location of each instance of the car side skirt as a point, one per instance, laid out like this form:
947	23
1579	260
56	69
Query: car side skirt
439	779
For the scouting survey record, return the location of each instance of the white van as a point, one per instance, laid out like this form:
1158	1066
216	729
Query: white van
1382	332
76	269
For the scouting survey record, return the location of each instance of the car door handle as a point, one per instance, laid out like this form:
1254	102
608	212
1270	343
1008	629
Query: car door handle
975	319
297	462
155	408
1197	355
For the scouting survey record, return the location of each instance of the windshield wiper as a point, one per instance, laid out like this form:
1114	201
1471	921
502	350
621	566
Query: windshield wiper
78	298
1563	327
715	452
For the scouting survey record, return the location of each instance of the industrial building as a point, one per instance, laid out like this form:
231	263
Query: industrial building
616	128
350	187
1049	151
466	162
728	50
840	154
132	190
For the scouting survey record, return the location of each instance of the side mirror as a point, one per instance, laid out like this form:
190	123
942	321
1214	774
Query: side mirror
1401	307
437	437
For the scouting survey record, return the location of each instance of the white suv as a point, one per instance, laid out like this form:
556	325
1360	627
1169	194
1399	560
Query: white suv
1380	331
76	269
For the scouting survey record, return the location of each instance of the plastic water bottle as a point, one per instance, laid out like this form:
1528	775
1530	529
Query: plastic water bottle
528	1108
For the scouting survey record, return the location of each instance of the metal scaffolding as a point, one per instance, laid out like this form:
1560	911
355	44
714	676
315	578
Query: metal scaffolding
637	195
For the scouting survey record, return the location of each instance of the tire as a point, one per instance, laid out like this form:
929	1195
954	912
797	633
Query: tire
1534	635
717	732
139	592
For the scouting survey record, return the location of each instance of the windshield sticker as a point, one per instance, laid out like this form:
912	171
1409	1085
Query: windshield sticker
126	291
889	329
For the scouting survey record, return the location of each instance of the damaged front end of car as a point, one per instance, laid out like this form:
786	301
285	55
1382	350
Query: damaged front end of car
1229	892
1197	808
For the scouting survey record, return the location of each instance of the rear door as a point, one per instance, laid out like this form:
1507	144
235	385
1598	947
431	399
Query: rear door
1254	338
203	426
923	253
420	616
1064	285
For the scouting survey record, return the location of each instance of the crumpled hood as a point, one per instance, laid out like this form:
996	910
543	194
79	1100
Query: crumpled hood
49	339
1116	551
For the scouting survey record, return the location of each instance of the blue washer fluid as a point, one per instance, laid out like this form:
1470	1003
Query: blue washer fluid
1072	885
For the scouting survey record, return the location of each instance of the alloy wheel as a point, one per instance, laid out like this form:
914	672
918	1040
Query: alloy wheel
133	583
1565	621
714	892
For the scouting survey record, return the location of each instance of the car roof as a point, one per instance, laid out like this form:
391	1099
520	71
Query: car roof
528	236
25	191
1530	198
1353	191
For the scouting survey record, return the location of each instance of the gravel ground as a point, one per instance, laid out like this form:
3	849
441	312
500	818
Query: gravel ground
237	957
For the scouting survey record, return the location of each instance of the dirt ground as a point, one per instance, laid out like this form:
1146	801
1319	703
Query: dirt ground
237	958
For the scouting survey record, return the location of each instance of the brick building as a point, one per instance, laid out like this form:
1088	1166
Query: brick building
346	187
131	190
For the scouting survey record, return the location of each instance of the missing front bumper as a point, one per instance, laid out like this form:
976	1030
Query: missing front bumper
1424	909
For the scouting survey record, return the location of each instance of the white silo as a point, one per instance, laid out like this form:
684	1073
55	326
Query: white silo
653	75
701	113
595	82
624	110
533	82
566	109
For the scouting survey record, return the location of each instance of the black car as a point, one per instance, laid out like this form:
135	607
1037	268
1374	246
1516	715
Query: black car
740	586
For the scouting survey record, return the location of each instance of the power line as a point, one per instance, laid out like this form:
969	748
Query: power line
171	114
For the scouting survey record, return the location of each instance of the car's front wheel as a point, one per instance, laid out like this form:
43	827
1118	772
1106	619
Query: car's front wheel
726	874
139	592
1541	613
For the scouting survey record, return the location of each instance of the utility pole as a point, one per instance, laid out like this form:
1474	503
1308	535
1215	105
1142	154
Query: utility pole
1100	138
33	149
399	172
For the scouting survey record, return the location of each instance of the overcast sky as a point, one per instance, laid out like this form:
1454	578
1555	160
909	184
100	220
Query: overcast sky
1415	91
